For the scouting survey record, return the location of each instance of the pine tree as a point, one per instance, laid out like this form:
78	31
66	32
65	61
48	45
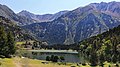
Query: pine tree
10	43
7	43
3	41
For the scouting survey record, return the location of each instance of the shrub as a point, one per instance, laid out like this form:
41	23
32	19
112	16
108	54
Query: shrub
47	58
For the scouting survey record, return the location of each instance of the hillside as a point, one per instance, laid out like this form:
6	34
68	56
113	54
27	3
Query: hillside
78	24
19	33
103	47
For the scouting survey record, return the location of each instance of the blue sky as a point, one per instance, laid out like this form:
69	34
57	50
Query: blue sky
47	6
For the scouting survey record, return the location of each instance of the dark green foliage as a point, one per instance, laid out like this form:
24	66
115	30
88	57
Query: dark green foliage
3	41
47	58
94	59
52	58
18	33
10	43
37	45
73	66
74	46
55	59
103	47
62	58
7	43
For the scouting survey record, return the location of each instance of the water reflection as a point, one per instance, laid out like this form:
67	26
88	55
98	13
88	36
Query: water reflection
69	57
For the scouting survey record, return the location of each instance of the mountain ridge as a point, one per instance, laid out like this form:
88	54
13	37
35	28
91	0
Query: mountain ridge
41	18
8	13
79	24
72	26
22	20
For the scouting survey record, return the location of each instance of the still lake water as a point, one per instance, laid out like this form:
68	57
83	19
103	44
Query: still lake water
70	56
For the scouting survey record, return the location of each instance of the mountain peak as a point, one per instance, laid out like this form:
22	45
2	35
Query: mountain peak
114	2
24	11
41	18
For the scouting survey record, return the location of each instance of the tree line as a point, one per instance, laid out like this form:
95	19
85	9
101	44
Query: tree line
7	43
103	47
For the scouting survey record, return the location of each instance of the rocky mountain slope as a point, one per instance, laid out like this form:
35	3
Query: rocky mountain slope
19	33
78	24
8	13
25	17
41	18
68	27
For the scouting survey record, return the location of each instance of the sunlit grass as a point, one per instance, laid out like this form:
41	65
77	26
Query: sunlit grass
25	62
7	62
20	43
23	42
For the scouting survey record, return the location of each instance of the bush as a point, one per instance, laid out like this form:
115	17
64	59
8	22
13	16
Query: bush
52	58
47	58
55	59
62	58
84	64
73	66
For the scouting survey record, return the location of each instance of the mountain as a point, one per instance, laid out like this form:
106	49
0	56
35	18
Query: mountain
25	17
78	24
8	13
111	8
41	18
19	33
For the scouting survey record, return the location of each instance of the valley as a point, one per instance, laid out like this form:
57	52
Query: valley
87	36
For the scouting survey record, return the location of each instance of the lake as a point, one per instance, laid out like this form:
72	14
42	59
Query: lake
69	55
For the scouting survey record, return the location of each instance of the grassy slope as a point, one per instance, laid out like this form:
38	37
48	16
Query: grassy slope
25	62
7	63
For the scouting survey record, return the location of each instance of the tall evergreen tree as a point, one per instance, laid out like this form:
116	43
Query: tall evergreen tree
7	43
10	43
3	41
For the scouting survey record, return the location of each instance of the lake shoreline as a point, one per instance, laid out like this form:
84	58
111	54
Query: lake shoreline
55	51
